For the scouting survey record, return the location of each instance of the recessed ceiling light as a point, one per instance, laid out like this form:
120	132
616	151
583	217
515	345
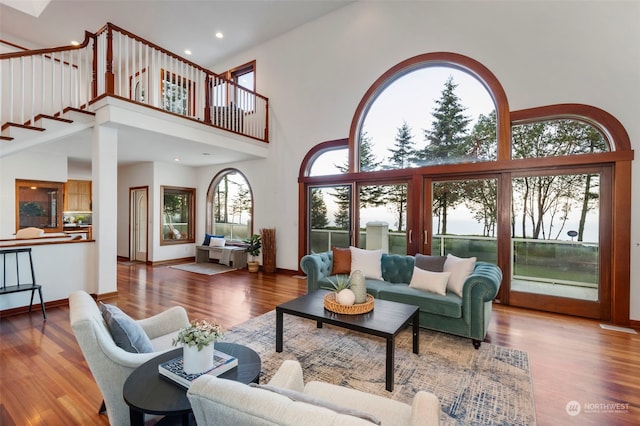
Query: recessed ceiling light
187	52
176	159
75	43
219	34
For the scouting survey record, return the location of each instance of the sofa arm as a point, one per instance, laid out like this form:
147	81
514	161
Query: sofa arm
166	322
288	376
425	409
483	283
317	267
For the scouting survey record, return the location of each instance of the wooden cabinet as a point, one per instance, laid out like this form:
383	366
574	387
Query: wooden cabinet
77	195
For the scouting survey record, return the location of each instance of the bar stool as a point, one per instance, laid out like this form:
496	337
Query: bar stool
20	286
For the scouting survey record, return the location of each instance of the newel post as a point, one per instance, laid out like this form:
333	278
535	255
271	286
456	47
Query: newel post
207	99
109	79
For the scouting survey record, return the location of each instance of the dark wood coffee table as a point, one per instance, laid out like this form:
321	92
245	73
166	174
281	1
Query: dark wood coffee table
385	320
146	391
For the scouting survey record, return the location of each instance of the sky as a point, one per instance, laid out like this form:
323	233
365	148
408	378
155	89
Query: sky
411	98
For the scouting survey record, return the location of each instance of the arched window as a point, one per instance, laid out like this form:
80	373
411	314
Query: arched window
433	114
230	206
456	171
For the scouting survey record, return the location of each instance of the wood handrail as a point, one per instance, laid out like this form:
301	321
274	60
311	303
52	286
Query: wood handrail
87	38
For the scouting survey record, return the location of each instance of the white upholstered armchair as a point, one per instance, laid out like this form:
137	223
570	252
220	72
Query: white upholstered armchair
110	364
286	400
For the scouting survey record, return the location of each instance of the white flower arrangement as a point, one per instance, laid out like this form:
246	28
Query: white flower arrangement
199	333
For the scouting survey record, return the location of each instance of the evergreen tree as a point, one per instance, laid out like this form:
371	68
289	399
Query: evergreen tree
447	139
446	142
369	195
402	156
318	210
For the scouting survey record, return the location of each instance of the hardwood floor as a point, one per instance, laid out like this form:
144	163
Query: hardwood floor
45	381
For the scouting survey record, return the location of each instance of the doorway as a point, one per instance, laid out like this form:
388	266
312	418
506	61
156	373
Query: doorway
138	224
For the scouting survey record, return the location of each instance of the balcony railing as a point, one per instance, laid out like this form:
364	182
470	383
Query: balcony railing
542	261
115	62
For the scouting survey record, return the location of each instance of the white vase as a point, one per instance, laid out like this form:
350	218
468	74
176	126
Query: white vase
195	361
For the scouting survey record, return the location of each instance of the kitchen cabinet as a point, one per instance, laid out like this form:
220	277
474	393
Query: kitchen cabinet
77	196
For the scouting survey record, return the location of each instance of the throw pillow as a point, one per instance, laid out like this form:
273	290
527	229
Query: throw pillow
217	241
341	261
460	269
434	282
308	399
207	238
430	263
126	332
368	261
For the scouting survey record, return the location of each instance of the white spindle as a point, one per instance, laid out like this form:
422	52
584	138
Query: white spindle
145	77
22	99
33	85
42	82
11	85
61	82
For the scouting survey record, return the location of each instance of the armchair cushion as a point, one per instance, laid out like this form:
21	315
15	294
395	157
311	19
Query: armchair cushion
302	397
126	332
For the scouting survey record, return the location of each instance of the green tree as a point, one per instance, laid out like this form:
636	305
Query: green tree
447	141
541	200
402	156
318	210
481	196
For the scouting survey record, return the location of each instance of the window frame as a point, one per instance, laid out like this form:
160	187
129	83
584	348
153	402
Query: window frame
34	184
190	193
619	159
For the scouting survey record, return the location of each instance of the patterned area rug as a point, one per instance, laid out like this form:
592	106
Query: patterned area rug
489	386
204	268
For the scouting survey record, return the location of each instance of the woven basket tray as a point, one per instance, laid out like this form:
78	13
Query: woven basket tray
359	308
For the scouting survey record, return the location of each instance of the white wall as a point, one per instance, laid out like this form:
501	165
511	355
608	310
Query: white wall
542	52
32	166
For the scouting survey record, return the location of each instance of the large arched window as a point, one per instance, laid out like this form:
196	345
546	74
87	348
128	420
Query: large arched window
230	206
534	190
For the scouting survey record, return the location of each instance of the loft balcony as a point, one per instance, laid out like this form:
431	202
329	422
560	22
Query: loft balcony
53	93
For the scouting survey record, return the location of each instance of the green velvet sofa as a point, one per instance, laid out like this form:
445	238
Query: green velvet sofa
466	316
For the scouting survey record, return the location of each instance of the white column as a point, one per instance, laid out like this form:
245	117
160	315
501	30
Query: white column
378	236
105	211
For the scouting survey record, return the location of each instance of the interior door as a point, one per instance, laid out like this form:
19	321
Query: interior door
138	224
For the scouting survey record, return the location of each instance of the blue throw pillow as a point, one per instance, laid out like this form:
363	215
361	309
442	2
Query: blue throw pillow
208	237
126	332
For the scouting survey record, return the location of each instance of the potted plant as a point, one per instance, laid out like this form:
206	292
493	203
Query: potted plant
253	249
344	294
197	341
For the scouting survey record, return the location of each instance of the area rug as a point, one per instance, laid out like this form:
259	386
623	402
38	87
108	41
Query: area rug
204	268
489	386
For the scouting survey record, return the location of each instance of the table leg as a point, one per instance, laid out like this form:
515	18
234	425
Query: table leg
136	417
319	324
390	363
416	333
279	316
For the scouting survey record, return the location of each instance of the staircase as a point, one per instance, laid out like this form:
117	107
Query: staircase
46	128
47	94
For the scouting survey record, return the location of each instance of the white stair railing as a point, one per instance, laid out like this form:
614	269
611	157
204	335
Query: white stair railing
45	82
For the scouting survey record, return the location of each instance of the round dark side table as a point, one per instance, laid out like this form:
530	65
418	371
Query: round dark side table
146	391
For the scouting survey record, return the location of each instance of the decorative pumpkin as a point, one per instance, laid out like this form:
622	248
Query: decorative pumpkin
345	297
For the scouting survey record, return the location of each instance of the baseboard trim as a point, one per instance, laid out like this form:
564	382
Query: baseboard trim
35	309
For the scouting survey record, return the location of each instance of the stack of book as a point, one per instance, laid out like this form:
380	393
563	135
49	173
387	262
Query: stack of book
174	370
